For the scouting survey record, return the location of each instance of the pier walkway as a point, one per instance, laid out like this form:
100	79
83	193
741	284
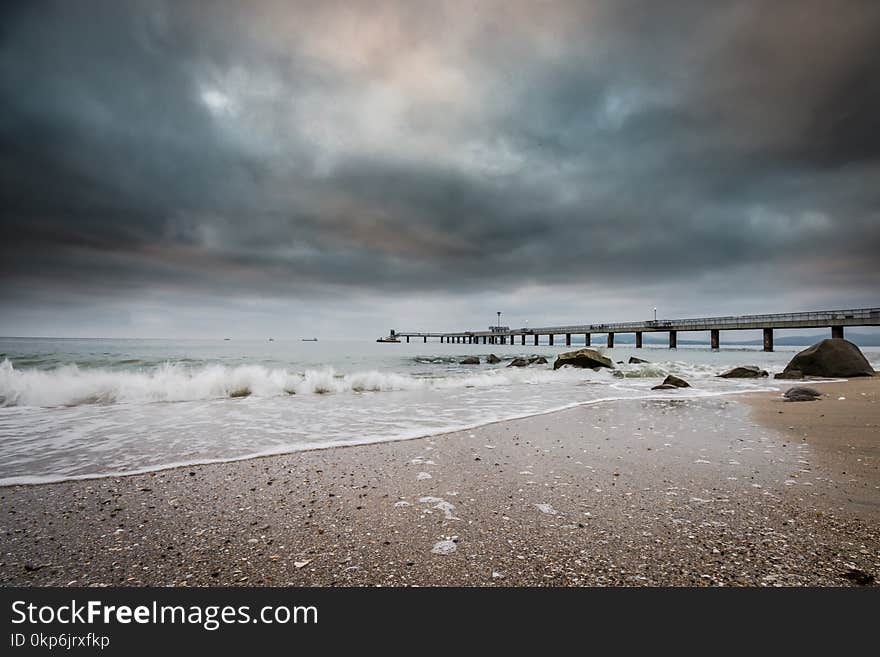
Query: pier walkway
835	319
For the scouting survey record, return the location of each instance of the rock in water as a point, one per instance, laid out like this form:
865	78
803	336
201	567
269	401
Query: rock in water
470	360
538	360
801	393
791	374
635	361
519	362
834	357
492	359
665	386
582	358
675	381
744	372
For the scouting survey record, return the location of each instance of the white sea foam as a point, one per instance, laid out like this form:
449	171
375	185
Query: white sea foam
71	385
109	414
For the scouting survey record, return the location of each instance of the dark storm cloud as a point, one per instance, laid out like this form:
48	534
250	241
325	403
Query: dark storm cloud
287	149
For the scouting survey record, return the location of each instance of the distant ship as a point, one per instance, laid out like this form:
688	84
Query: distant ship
389	338
309	339
271	339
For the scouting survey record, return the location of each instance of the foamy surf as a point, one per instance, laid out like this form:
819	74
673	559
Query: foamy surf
83	409
71	385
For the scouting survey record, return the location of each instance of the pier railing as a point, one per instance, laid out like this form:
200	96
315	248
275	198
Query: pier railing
776	320
836	319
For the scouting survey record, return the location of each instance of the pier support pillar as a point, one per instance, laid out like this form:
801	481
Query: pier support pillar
715	338
673	339
638	339
426	339
523	336
536	339
407	339
837	332
611	341
587	340
551	339
768	339
568	339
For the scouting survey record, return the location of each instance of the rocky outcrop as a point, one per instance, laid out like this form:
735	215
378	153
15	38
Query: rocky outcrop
834	357
801	393
470	360
744	372
582	358
635	361
665	386
492	359
523	362
675	381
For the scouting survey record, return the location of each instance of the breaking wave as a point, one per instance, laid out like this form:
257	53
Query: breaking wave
70	385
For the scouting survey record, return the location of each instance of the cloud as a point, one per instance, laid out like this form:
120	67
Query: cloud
291	151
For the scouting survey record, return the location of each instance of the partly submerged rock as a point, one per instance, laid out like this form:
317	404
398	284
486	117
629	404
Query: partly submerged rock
519	362
582	358
791	374
537	360
834	357
665	386
492	359
470	360
744	372
635	361
675	381
801	393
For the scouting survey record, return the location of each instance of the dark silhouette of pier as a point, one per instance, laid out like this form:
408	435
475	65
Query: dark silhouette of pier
835	319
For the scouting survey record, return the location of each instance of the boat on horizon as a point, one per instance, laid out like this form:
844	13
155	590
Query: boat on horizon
388	338
308	339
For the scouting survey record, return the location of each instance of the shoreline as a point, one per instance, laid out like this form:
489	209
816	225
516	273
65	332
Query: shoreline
640	492
286	451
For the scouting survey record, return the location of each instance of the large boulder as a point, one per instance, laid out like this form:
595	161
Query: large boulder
675	381
492	359
801	393
744	372
834	357
537	360
633	360
470	360
582	358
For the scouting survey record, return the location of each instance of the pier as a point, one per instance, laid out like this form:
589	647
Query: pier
835	319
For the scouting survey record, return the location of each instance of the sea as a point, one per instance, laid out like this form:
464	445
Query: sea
81	408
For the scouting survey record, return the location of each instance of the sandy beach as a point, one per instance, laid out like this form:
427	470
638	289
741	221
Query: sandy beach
735	490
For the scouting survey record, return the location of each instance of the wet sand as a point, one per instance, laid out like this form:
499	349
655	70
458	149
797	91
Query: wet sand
843	430
708	492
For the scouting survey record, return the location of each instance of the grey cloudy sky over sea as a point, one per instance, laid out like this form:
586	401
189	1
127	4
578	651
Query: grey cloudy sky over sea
292	168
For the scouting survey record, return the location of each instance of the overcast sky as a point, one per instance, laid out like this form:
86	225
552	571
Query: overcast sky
297	168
